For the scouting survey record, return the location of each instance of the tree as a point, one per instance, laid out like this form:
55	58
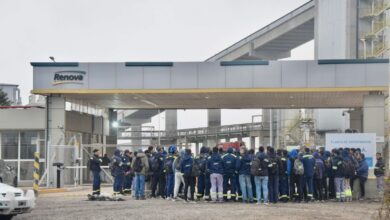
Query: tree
4	101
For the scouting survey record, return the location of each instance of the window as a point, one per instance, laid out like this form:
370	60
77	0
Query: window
28	143
9	144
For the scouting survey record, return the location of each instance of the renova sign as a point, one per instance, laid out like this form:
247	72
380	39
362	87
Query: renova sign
69	77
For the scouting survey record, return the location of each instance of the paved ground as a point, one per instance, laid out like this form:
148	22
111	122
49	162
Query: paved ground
73	205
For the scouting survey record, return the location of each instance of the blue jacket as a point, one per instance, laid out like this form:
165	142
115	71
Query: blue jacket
363	168
215	164
126	166
94	164
290	163
116	164
309	163
319	163
244	164
229	162
337	167
186	165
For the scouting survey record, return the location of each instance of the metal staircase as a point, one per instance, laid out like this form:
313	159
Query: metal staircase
375	21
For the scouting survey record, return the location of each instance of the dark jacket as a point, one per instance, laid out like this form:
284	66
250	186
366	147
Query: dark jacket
309	163
379	169
215	164
229	162
319	166
116	164
186	165
363	168
95	163
244	164
337	167
263	163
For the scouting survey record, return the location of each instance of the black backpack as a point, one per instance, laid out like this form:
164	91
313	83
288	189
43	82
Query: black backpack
348	168
168	165
138	165
195	169
317	171
256	167
155	163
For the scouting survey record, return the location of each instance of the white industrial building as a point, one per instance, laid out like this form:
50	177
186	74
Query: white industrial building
346	86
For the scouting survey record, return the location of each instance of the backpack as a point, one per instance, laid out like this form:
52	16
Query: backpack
255	167
202	161
273	165
168	165
138	165
298	167
195	169
348	168
317	171
155	163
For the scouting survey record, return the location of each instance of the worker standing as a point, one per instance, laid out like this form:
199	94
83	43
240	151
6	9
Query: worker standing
94	165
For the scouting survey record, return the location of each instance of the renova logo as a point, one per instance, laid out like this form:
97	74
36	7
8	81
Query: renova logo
69	77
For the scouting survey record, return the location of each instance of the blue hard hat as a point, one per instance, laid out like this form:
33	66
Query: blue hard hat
172	149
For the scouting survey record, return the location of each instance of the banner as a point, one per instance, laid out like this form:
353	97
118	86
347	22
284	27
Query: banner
365	141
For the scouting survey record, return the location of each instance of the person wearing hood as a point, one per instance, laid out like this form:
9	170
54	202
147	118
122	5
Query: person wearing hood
215	168
337	167
158	178
295	171
273	175
179	179
244	171
319	172
140	165
204	176
349	172
283	177
186	166
362	173
169	172
308	165
128	175
379	172
117	172
261	181
229	175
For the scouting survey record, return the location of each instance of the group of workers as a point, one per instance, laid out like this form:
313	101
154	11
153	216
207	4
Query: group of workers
240	174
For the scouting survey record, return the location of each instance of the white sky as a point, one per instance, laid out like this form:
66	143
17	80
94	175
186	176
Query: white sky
130	30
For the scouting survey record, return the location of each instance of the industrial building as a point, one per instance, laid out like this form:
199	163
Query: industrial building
101	104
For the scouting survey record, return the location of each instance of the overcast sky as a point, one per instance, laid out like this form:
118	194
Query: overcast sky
127	30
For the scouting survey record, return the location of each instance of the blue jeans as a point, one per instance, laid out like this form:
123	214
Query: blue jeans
118	180
246	187
96	183
273	187
261	186
309	185
127	183
139	185
204	185
170	185
229	178
283	187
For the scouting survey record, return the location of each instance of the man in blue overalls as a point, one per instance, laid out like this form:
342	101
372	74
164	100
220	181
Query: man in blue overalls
94	166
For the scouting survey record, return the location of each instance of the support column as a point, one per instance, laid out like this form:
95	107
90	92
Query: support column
253	142
356	120
374	116
171	124
213	123
56	136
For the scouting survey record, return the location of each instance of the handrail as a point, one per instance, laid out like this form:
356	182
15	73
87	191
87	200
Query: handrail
381	8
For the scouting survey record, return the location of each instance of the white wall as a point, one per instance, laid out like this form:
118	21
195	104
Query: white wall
23	119
331	29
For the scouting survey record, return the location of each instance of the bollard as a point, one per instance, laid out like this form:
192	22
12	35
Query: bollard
36	173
